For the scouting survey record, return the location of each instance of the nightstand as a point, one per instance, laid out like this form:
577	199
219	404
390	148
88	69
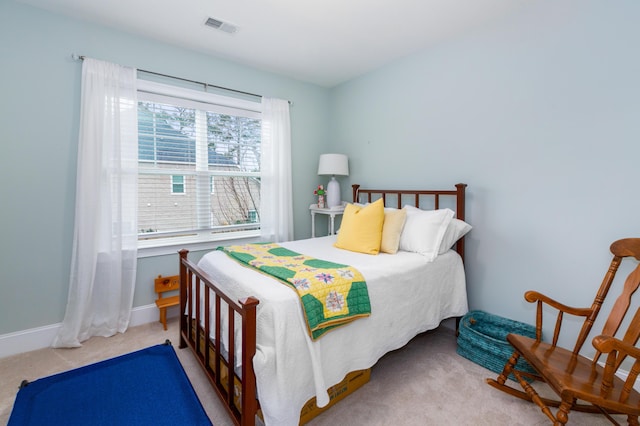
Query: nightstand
332	213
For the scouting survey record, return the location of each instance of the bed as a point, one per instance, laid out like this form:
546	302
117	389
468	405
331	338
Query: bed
249	335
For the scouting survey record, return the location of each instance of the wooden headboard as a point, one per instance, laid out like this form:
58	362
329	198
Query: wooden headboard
453	198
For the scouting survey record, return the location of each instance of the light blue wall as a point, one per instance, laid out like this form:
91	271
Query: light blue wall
39	115
540	115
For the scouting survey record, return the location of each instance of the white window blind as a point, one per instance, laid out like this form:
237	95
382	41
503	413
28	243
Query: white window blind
199	164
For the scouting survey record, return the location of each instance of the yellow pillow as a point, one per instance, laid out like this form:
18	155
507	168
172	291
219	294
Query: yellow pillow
392	229
361	228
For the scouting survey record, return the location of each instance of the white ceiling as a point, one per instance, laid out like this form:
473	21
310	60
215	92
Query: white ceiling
325	42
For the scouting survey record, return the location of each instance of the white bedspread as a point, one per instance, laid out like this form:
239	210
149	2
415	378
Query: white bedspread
408	296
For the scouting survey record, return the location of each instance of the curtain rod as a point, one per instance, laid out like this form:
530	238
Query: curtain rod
206	85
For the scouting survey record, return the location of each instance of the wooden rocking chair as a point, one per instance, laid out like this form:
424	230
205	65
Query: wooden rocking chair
572	376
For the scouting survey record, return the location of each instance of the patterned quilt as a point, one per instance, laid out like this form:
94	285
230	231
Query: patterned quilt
331	294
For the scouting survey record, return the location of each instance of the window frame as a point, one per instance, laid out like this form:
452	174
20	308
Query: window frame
174	184
151	91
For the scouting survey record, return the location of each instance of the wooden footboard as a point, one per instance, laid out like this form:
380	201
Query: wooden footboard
237	390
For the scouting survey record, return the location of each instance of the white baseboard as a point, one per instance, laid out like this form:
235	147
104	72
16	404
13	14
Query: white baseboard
144	315
27	340
41	337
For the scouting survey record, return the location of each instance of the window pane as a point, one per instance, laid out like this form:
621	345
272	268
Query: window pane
233	199
236	201
234	141
166	133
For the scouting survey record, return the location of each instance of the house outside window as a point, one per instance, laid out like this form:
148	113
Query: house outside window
209	147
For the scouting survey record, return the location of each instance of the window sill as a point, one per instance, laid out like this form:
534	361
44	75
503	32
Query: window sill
161	247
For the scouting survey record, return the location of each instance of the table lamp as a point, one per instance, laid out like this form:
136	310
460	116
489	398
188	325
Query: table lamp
334	165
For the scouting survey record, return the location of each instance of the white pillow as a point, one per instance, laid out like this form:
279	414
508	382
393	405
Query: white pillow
423	230
456	230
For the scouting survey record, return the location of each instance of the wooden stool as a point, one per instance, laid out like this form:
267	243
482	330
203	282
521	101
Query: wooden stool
162	285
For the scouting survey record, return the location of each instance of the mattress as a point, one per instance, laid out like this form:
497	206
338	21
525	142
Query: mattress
408	296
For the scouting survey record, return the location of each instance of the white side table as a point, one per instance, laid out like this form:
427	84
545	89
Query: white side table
332	213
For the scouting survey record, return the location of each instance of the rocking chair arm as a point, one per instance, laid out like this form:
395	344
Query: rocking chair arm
607	344
534	296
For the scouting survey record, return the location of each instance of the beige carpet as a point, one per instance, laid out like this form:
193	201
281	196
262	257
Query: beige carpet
424	383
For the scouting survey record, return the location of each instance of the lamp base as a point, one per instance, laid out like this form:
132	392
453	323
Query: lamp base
333	193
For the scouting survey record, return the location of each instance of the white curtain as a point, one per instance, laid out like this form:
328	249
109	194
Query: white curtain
276	205
104	258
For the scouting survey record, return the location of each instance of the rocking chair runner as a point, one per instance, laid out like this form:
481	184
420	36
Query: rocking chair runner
572	376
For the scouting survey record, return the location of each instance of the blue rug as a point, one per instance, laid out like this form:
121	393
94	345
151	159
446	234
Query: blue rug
144	387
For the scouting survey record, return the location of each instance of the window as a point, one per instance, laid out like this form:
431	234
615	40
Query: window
177	184
253	215
209	147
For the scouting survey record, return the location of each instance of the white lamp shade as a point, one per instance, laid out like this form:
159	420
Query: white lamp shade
334	165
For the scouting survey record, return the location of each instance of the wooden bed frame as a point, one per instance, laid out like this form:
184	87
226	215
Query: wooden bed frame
238	391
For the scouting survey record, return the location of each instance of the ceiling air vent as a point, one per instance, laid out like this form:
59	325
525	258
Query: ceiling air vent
220	25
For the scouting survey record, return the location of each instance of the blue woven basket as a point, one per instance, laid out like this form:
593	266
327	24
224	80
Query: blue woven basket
482	338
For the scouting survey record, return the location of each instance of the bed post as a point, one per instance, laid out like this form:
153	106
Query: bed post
460	214
249	398
354	196
183	296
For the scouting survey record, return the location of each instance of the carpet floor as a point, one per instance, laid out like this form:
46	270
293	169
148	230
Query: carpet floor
424	383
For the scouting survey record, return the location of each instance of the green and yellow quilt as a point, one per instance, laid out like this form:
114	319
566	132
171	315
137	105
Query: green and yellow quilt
331	294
